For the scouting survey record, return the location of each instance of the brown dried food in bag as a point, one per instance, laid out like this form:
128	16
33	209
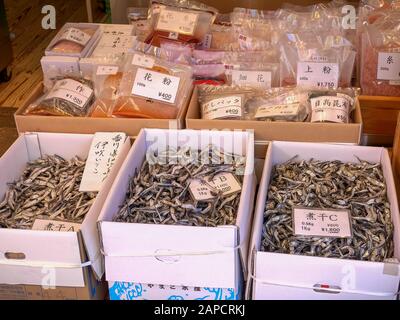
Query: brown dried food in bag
68	97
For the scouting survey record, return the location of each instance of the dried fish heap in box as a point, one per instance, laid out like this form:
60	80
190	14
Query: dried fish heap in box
48	189
185	187
358	187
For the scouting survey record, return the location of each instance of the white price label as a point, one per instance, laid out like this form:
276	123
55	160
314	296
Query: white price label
103	153
113	44
75	35
142	61
72	91
277	111
177	21
244	41
220	108
329	108
155	85
55	225
206	190
106	70
322	223
258	78
388	66
317	74
206	44
117	29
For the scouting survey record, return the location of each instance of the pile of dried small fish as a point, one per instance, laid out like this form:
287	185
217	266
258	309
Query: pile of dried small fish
159	192
359	187
48	189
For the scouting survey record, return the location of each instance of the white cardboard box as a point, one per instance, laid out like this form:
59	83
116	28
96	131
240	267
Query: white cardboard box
65	251
212	257
284	276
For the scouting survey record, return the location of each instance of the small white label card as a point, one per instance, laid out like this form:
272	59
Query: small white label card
72	91
226	107
103	152
388	66
257	78
113	44
177	21
155	85
318	74
106	70
330	108
206	44
244	41
55	225
117	29
75	35
142	61
277	111
316	222
205	190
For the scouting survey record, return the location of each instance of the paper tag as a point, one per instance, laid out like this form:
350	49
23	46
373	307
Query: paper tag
75	35
329	108
230	67
388	66
177	21
206	44
117	29
322	223
142	61
103	152
105	70
173	35
259	78
220	108
224	182
55	225
316	74
113	44
72	91
155	85
244	41
277	111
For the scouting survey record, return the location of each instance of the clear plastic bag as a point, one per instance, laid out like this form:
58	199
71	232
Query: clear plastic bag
280	104
68	97
176	52
335	106
152	88
182	21
380	55
72	39
225	102
208	67
139	18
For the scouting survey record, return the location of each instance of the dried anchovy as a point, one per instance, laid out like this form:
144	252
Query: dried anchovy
159	192
359	187
48	189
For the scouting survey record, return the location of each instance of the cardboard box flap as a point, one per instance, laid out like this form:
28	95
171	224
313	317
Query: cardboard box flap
170	255
89	227
369	278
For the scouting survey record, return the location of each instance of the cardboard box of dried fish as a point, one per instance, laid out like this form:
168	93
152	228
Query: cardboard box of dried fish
48	211
326	224
176	224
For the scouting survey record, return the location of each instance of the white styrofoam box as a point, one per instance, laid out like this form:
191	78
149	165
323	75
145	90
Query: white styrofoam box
139	291
50	248
285	276
199	256
88	47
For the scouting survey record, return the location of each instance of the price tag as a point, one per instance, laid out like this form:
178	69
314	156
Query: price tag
106	70
224	182
220	108
155	85
75	35
55	225
113	44
206	44
177	21
389	66
322	222
316	74
257	78
329	108
103	152
72	91
244	41
277	111
117	29
142	61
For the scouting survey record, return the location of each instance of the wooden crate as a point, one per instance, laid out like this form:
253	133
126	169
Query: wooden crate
379	116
